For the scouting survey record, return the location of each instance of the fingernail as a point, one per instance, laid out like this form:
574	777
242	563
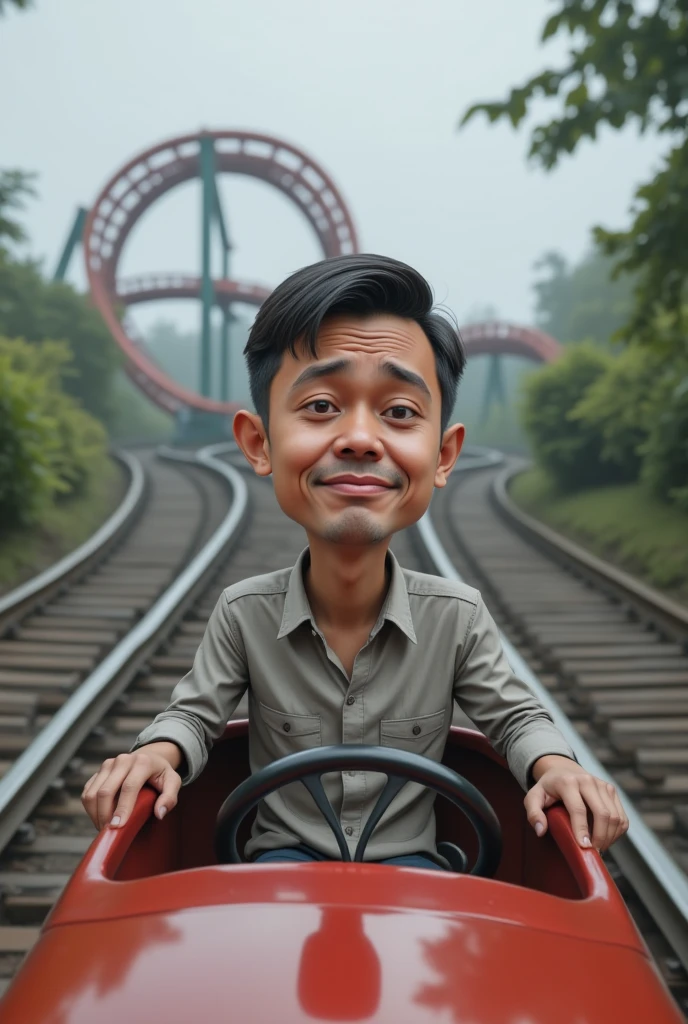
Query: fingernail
116	820
162	812
586	841
539	828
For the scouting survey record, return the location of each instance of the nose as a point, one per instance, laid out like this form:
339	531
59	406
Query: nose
359	436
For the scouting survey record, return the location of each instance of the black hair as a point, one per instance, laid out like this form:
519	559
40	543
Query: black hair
359	284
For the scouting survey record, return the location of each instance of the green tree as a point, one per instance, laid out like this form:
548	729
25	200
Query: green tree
49	447
569	447
15	187
625	64
36	310
580	302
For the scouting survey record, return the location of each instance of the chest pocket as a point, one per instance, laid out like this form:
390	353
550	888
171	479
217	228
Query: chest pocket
290	733
423	734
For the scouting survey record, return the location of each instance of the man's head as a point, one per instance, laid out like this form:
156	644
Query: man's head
354	378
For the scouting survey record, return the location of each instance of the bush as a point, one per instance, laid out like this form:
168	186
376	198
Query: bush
619	406
39	310
27	444
49	447
569	448
665	453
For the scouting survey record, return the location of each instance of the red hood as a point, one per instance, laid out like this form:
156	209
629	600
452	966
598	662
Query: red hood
287	963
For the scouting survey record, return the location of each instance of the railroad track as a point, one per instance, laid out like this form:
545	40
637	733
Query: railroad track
611	655
45	844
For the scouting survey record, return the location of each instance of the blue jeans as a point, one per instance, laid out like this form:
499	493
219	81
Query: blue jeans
304	854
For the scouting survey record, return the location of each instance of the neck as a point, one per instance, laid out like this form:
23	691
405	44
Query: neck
346	586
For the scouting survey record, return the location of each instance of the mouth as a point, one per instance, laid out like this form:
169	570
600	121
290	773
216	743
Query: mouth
353	484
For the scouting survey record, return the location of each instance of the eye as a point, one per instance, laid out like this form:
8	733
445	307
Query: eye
321	405
399	412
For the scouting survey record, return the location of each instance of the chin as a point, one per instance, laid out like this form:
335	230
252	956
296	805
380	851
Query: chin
355	527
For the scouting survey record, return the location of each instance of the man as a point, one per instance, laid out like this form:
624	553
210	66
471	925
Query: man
354	378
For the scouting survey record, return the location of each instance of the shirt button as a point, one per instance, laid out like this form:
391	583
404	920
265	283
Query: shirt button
349	831
286	727
416	730
350	699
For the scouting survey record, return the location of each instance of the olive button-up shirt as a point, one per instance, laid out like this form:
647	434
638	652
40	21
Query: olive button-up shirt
434	643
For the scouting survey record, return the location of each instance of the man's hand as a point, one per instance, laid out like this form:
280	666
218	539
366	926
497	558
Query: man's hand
121	779
561	779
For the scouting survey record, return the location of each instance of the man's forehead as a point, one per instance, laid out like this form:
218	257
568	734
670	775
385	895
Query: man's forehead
378	337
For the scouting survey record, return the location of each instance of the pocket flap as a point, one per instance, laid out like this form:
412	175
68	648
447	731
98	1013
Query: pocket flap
291	725
412	728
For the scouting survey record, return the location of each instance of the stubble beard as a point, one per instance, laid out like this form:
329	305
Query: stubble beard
355	526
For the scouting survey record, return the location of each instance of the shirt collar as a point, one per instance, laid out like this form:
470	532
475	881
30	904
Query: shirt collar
396	607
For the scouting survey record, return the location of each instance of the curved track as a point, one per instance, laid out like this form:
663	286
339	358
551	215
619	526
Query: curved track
614	670
143	180
36	864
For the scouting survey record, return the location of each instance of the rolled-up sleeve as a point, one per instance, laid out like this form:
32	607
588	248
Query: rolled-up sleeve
203	701
500	703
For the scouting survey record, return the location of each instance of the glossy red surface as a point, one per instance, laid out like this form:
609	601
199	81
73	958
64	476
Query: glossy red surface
296	943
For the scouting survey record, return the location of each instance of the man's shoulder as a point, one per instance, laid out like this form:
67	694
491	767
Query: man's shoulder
422	584
267	584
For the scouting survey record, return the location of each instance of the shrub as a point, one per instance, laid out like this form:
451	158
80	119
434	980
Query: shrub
665	453
27	445
619	406
49	446
569	448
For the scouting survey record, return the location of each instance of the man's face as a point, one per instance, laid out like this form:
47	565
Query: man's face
354	446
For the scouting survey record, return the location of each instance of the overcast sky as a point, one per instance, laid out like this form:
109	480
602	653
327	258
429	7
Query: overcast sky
372	89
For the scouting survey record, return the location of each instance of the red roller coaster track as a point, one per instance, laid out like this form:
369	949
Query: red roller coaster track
134	188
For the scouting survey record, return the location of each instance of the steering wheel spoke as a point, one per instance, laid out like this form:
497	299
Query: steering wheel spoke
313	784
394	785
400	767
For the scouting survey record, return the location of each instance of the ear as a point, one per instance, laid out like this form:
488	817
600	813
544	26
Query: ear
252	438
452	442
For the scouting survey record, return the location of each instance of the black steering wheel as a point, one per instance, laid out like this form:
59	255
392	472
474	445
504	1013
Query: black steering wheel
399	766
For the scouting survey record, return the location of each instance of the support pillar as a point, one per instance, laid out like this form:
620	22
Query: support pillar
75	236
207	159
495	392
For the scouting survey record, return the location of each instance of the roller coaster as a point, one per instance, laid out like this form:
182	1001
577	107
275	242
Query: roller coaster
104	229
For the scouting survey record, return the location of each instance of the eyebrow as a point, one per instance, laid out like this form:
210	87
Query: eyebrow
319	370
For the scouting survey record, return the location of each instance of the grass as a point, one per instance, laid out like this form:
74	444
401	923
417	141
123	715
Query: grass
623	524
63	527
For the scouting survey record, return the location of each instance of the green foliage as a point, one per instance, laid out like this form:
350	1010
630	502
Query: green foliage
581	302
620	406
625	64
665	462
27	445
49	446
570	448
36	310
15	187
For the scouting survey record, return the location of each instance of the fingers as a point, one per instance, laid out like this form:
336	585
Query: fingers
171	784
128	784
535	801
110	795
570	795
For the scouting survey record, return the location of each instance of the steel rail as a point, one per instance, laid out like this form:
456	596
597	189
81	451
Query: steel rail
643	596
658	881
33	771
15	604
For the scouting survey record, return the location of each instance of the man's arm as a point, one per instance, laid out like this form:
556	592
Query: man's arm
174	749
522	730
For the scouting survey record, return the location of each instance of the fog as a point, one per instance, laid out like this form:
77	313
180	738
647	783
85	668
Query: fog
372	89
